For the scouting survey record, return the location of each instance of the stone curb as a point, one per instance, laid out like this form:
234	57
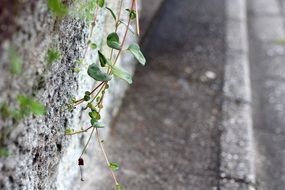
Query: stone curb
236	156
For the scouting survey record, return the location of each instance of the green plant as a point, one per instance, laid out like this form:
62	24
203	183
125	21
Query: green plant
103	70
52	56
16	107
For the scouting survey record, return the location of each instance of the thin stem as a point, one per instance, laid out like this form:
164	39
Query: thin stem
98	92
119	14
105	156
91	30
124	38
116	25
81	131
97	87
137	17
82	99
88	141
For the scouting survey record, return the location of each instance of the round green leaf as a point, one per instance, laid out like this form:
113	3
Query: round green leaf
96	124
93	46
100	3
113	41
135	50
132	13
121	73
95	72
114	166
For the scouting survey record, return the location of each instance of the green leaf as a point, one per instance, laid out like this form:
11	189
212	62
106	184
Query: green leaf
112	13
52	56
68	131
15	61
95	72
119	186
77	69
96	124
114	166
4	111
113	41
91	106
102	59
28	104
135	50
121	73
4	152
57	7
93	46
95	115
100	3
132	14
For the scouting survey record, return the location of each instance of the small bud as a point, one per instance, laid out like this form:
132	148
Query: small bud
80	162
86	98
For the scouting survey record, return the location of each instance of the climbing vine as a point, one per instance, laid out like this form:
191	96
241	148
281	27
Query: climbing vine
102	71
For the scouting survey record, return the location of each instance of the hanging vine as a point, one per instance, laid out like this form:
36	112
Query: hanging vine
103	70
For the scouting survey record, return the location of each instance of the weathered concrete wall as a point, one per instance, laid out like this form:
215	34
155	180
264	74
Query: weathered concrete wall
41	157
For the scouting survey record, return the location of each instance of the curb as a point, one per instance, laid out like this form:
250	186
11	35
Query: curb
236	156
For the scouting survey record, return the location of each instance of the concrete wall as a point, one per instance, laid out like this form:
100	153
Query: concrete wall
41	157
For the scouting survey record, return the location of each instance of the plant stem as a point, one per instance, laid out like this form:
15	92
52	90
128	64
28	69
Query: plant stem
88	141
116	25
124	38
105	156
82	99
81	131
91	30
137	17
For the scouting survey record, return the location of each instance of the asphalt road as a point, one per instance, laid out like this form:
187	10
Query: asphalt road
166	135
267	55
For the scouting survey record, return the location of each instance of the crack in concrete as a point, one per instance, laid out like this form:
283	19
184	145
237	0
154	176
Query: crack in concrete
239	181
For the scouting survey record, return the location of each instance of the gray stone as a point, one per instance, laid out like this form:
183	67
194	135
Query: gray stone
237	151
237	142
237	82
236	38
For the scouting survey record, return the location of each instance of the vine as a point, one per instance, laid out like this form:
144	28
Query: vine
103	71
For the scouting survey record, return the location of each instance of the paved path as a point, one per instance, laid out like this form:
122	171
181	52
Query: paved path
266	25
166	135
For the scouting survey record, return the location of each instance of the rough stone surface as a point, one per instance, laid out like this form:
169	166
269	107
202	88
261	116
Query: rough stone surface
41	156
237	87
237	138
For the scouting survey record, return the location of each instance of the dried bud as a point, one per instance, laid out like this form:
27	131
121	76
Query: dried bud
80	162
